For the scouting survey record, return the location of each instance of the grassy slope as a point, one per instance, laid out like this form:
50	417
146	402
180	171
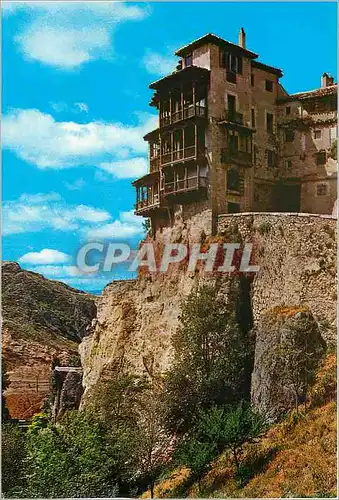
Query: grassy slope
296	458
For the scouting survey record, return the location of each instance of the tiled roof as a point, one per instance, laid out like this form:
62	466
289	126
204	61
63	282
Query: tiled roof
211	38
323	91
310	94
195	71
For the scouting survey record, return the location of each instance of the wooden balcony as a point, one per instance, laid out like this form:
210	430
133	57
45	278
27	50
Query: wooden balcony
146	206
235	117
154	164
182	114
179	186
178	155
236	156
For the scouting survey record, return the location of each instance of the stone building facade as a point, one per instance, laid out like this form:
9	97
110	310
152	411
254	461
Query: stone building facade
231	139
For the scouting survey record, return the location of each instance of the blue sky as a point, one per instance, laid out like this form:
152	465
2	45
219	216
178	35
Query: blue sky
75	109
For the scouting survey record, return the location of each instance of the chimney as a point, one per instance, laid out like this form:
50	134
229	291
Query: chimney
326	80
242	38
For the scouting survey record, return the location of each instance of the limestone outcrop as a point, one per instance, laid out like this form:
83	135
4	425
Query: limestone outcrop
296	254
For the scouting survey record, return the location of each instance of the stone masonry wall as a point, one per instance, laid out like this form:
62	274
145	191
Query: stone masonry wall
297	258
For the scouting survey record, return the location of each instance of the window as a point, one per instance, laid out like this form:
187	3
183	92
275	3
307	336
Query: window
252	80
269	85
321	157
233	208
289	135
270	158
231	62
253	118
288	164
188	60
233	179
231	76
269	123
288	110
322	189
317	134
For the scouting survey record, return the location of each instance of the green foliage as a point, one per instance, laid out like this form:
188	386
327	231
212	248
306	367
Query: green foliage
217	429
334	150
211	356
75	458
39	421
13	449
133	411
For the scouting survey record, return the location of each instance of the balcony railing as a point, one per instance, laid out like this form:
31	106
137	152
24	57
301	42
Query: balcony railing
154	164
146	204
178	155
183	185
182	114
236	156
235	117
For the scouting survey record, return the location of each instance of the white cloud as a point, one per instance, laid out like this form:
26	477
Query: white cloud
127	226
63	107
58	271
158	64
82	107
77	185
39	139
68	34
45	256
135	167
32	213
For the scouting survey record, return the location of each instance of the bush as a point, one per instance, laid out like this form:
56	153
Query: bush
12	461
211	360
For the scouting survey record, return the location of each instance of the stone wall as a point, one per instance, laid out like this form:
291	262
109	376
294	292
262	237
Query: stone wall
297	258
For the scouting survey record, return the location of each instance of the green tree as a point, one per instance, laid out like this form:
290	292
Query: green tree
153	442
334	150
75	458
217	429
211	355
13	454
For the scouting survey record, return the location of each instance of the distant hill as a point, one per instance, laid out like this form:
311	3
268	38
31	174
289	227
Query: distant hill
43	320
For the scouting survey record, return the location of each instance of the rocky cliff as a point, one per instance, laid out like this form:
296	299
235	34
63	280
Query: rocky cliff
296	254
43	323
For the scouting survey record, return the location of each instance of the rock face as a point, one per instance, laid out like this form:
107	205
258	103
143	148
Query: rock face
288	347
43	321
296	254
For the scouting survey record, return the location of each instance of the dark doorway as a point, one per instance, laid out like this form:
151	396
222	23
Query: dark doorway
233	208
288	197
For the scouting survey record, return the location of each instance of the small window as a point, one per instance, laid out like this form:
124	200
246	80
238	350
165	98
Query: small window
233	208
289	135
270	158
253	117
321	158
231	76
269	85
317	134
322	189
288	164
188	60
269	122
288	110
233	179
252	80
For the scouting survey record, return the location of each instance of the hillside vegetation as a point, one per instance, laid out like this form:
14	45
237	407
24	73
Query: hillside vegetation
295	458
